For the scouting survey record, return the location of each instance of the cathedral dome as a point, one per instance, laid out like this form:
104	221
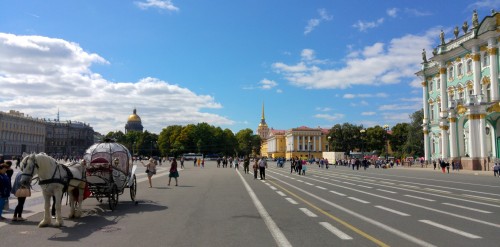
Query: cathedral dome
134	123
134	118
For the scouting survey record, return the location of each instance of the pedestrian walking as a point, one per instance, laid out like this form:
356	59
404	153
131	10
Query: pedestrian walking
292	165
304	169
5	188
150	170
236	163
173	172
496	169
18	211
255	168
246	164
262	168
194	162
182	162
18	162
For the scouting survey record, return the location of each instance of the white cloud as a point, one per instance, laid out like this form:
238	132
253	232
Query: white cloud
161	4
39	75
307	54
378	64
393	12
397	107
485	4
313	23
368	113
323	109
279	91
416	12
364	25
267	84
365	95
330	117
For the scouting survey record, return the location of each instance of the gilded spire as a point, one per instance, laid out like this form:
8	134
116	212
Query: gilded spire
263	118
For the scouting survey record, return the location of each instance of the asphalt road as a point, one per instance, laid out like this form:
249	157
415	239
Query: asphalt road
335	207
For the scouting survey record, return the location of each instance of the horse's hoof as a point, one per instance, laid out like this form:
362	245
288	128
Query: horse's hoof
43	224
58	224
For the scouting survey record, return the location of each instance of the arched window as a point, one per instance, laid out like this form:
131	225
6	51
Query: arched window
486	59
450	72
431	107
431	85
460	69
438	84
469	66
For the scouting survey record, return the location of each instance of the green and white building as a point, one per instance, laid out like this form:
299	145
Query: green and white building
461	96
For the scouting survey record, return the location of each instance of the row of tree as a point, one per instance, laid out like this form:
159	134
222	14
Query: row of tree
405	139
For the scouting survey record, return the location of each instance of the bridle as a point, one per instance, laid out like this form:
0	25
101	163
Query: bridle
25	165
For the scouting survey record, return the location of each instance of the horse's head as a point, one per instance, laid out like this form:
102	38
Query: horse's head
29	168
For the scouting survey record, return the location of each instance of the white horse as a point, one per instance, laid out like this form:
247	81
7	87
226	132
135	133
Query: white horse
53	179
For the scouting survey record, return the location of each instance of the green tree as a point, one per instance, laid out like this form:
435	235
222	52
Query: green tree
345	137
399	137
414	145
244	139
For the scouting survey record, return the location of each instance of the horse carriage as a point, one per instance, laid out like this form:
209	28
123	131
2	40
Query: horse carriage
109	171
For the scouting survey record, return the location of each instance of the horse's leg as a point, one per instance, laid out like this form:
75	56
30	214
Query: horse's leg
58	194
81	190
46	215
71	203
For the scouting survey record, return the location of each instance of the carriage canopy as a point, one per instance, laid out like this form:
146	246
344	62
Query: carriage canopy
111	153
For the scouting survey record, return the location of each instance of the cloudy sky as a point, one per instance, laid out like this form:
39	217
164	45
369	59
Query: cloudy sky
313	63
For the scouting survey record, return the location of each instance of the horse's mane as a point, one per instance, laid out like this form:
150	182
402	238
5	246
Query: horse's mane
42	157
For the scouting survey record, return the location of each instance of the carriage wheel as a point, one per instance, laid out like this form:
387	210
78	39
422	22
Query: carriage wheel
133	189
113	197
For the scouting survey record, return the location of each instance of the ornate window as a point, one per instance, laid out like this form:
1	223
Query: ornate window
431	107
469	66
438	84
450	73
431	85
486	59
460	69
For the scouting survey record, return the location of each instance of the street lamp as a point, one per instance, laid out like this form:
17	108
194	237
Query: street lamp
309	149
362	133
329	138
386	129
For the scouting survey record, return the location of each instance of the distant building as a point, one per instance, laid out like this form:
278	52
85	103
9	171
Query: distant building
68	138
134	123
302	142
20	133
461	96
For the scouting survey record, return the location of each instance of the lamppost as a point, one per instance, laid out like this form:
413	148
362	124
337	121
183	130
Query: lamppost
309	149
386	129
329	138
362	133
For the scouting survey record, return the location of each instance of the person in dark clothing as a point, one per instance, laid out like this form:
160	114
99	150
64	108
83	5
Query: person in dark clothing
5	188
18	211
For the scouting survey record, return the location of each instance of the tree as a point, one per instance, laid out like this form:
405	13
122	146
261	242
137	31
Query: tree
399	137
414	145
345	137
244	139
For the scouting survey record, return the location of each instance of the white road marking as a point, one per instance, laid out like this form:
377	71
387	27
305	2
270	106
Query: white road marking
482	197
308	183
409	186
392	211
468	208
383	182
421	198
441	191
364	186
272	187
356	199
348	183
281	193
277	234
300	181
335	231
308	212
388	191
450	229
291	200
319	187
337	193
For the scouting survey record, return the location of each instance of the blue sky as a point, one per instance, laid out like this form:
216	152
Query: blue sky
313	63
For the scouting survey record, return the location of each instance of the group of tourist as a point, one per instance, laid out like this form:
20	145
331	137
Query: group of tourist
7	188
173	172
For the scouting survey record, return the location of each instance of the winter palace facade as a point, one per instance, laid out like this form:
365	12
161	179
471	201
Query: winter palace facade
461	96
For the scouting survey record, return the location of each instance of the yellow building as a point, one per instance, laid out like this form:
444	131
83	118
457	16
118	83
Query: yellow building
302	142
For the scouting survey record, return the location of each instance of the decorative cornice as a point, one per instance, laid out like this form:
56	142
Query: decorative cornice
442	71
476	57
452	119
444	127
424	84
492	51
476	116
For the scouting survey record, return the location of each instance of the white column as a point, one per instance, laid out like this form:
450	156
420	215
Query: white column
476	58
445	152
303	142
425	121
493	51
474	140
314	143
320	144
427	144
482	134
443	88
453	136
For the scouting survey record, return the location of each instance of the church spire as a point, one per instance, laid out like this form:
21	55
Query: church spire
263	118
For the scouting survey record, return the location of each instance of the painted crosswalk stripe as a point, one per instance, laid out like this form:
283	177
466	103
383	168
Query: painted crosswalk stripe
280	193
388	191
359	200
319	187
468	208
335	231
308	212
420	198
450	229
365	186
392	210
291	200
337	193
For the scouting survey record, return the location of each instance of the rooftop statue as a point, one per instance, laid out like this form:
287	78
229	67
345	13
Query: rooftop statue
455	32
441	36
424	56
465	27
475	21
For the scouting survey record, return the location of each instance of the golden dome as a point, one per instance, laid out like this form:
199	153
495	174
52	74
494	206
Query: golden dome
134	117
